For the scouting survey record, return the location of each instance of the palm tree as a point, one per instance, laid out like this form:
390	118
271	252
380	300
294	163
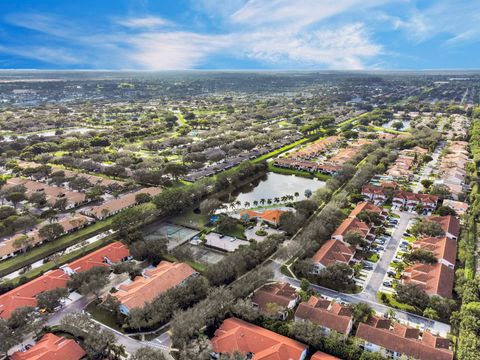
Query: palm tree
255	203
247	204
262	201
284	198
269	201
277	200
296	194
238	203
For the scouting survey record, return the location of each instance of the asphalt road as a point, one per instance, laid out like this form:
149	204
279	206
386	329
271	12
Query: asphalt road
375	282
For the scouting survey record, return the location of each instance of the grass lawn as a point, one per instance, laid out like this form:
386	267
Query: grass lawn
285	271
191	219
395	304
281	150
197	266
102	315
47	249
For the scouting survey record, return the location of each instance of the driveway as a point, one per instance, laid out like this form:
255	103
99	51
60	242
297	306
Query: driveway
375	282
250	233
429	167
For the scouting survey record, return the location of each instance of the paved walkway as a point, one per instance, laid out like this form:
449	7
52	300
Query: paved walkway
375	282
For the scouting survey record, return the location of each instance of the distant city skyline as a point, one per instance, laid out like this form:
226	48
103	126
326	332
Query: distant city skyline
240	34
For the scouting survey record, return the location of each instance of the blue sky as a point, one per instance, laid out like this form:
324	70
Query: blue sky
239	34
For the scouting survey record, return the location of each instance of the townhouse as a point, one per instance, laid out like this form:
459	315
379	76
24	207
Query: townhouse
393	339
449	223
255	342
152	283
452	167
51	347
327	314
52	193
352	224
279	296
436	279
332	252
403	166
443	247
316	148
69	223
25	295
114	206
323	356
411	201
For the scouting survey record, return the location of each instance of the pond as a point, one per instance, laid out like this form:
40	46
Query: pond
273	186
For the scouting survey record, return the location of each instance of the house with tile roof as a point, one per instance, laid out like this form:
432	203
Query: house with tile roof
352	224
327	314
154	282
444	248
367	207
376	194
111	254
283	295
235	335
332	252
51	347
450	225
393	339
25	295
323	356
436	279
271	216
460	207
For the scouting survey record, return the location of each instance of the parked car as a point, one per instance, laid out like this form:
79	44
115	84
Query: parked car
391	273
387	283
379	241
381	248
367	267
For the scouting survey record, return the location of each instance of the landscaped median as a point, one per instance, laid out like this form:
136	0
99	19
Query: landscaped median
52	247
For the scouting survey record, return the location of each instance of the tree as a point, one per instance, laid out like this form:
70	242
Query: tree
428	228
38	198
337	276
354	238
22	242
147	353
361	312
412	294
445	210
143	198
431	313
61	204
442	191
151	250
291	221
90	281
50	232
421	255
6	211
208	206
308	193
226	224
51	299
15	198
426	183
397	125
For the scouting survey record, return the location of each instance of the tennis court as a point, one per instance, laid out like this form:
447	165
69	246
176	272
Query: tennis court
176	235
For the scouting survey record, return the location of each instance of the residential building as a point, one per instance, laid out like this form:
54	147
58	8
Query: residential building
323	356
252	340
332	252
376	194
436	279
282	296
450	225
271	216
25	295
111	254
154	282
352	224
114	206
366	206
461	208
393	339
443	247
51	347
327	314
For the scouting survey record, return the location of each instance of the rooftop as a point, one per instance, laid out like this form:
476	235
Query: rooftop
51	347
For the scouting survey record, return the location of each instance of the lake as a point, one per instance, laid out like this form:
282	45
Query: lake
274	185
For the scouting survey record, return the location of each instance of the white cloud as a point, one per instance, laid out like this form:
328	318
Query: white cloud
144	22
47	54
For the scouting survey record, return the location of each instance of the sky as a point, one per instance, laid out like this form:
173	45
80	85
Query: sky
240	34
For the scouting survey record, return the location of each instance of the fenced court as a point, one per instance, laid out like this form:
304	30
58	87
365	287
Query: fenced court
175	234
206	256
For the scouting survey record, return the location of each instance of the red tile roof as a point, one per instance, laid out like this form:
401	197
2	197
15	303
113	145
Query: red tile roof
25	294
333	251
114	252
441	247
144	289
404	340
51	347
279	293
323	356
352	224
434	279
272	216
449	224
365	206
326	313
237	335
